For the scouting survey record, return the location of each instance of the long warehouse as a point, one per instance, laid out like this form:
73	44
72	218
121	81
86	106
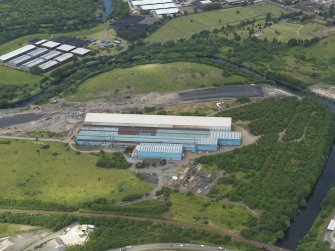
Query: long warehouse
160	131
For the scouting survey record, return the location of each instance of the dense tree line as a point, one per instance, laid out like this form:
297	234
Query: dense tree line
273	175
22	17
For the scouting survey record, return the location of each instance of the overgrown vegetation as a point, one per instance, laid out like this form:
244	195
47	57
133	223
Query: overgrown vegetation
273	175
112	160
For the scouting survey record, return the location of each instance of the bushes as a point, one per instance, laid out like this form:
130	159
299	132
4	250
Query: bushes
114	160
132	197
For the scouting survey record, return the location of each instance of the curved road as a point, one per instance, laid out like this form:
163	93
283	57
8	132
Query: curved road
178	246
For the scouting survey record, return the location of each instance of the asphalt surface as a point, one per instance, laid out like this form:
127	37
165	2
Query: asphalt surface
19	119
158	246
234	91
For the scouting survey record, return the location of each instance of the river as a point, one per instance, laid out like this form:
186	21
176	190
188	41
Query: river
306	217
108	10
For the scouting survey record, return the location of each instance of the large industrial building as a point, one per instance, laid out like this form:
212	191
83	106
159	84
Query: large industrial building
158	136
157	7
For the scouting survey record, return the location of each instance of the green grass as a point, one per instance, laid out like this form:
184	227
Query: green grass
12	76
189	208
185	26
10	229
153	78
284	31
60	175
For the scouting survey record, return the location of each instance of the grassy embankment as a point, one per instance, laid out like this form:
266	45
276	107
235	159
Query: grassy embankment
153	78
185	26
59	175
10	229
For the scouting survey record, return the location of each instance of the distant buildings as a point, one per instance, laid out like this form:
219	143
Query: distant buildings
43	54
157	7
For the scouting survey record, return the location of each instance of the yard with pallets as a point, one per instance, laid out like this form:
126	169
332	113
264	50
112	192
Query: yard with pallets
52	172
186	26
153	78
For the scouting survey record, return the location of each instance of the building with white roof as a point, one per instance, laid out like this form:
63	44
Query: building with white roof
19	60
66	47
159	7
17	52
40	42
64	57
48	65
50	44
161	12
81	51
37	52
331	225
32	63
51	55
162	121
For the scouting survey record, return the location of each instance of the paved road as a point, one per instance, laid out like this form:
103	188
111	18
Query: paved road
225	91
178	246
49	237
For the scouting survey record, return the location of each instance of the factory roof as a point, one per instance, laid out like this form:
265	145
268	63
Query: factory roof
51	55
20	59
167	11
37	52
64	57
48	65
161	121
50	44
158	6
146	2
33	63
17	52
160	148
66	47
81	51
40	41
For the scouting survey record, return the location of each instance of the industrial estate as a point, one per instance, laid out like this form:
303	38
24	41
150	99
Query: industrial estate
145	125
43	54
158	136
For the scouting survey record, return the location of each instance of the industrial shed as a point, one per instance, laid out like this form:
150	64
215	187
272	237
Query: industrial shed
17	52
191	132
158	151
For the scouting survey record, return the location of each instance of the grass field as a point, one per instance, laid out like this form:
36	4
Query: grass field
284	31
185	26
191	209
58	174
152	78
10	229
13	76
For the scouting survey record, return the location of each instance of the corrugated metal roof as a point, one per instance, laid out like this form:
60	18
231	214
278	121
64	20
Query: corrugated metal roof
146	2
50	44
64	57
20	60
81	51
66	47
225	135
208	141
17	52
48	65
37	52
51	55
160	121
41	41
33	63
167	11
160	148
158	6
